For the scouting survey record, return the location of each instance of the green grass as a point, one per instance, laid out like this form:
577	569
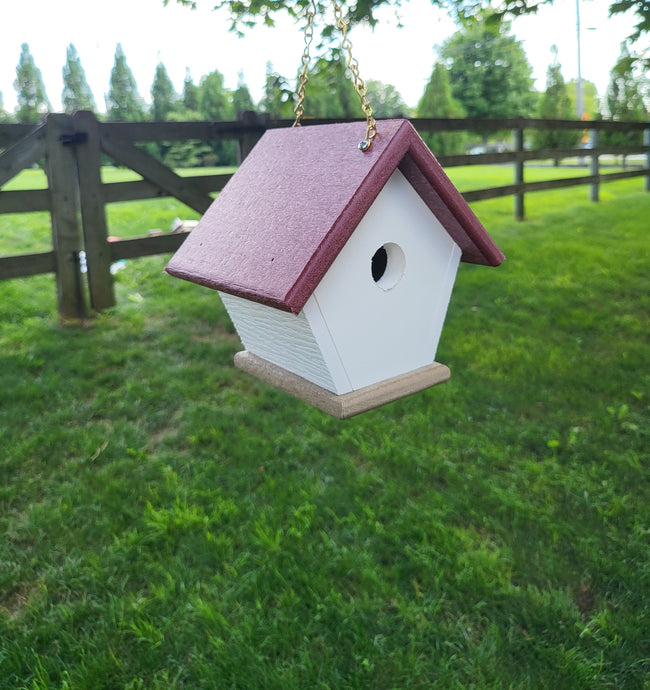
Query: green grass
170	522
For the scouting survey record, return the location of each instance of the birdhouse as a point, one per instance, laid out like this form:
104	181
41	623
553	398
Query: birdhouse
336	265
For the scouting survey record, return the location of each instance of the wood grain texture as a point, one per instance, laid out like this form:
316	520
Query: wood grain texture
348	404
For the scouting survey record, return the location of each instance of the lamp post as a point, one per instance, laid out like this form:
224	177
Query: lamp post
579	98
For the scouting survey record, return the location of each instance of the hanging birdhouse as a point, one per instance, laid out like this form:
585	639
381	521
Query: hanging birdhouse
336	265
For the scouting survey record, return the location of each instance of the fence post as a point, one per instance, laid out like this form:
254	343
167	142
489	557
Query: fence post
258	124
646	142
66	238
595	165
93	213
518	136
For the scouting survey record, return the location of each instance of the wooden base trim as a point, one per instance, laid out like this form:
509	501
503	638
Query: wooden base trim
347	404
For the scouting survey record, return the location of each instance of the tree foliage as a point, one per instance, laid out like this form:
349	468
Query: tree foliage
241	97
277	100
164	98
330	91
32	99
641	8
386	100
590	104
123	101
190	93
215	103
488	69
627	98
247	13
438	101
4	115
76	92
555	104
628	92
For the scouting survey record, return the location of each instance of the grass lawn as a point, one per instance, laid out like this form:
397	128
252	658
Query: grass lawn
170	522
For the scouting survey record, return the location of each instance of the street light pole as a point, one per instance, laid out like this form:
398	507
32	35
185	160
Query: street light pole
579	99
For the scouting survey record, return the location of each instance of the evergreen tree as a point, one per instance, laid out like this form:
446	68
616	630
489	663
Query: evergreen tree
488	69
190	94
215	103
214	98
438	101
278	96
386	100
4	115
163	96
330	91
628	92
76	92
32	99
123	102
241	98
555	104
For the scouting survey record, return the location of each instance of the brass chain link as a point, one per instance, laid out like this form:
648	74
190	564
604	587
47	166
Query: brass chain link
299	110
359	84
351	64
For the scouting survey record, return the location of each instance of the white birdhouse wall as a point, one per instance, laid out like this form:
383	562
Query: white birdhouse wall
390	323
379	310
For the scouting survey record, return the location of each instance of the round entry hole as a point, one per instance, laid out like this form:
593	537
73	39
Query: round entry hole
387	265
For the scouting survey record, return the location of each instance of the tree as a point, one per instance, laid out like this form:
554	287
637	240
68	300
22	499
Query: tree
190	93
386	100
246	14
590	105
438	101
123	101
4	115
555	104
76	92
187	153
241	98
32	99
163	96
628	91
330	91
215	103
488	69
627	98
642	10
278	96
214	99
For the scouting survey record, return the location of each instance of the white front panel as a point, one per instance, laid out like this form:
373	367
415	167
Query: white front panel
391	325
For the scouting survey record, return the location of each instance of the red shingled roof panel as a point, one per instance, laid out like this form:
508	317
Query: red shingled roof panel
282	219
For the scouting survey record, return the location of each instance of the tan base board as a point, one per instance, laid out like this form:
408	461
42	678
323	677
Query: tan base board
348	404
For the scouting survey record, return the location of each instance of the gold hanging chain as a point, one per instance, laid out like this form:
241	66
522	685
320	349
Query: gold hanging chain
299	110
351	64
359	84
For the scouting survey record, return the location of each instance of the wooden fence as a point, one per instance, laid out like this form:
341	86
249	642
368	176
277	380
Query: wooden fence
73	146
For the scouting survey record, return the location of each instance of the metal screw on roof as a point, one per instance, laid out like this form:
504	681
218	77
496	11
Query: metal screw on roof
364	145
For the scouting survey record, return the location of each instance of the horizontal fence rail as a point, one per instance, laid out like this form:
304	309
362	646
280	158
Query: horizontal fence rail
72	147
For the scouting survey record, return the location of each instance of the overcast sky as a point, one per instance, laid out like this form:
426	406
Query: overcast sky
200	41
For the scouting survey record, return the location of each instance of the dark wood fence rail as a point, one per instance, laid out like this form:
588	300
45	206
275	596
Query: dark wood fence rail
73	146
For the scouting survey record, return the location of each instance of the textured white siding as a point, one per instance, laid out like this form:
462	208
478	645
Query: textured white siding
281	338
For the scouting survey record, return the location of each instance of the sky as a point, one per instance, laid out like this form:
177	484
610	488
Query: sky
200	41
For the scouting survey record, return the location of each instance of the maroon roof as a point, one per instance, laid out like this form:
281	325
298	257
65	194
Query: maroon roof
284	216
